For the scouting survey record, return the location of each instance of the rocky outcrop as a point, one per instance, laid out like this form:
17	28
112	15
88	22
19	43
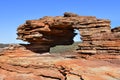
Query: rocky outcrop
46	32
102	43
19	62
117	29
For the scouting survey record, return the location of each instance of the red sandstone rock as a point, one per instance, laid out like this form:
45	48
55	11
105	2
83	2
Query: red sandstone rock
117	29
48	31
19	62
58	67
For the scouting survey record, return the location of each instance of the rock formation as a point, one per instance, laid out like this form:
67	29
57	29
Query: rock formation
19	62
96	34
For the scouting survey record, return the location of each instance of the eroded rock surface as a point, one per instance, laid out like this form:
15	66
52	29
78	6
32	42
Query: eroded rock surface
19	65
19	62
46	32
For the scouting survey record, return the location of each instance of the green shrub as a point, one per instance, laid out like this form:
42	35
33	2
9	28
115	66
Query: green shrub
64	48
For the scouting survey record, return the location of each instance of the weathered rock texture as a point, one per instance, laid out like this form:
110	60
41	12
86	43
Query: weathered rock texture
20	65
96	34
102	42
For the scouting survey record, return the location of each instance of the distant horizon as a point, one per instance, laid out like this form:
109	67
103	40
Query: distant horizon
16	12
28	43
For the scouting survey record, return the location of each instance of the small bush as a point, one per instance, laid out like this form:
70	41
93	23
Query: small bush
3	45
64	48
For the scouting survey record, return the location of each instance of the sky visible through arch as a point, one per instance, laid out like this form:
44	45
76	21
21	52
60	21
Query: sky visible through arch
15	12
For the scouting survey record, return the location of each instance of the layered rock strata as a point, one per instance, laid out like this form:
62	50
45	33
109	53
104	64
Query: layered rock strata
18	65
46	32
102	43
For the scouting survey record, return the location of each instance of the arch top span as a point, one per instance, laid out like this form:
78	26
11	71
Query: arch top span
49	31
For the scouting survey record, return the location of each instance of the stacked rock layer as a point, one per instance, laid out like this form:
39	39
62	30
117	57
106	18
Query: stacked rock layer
46	32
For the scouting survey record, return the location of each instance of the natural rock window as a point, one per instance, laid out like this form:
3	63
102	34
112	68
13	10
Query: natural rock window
77	37
46	32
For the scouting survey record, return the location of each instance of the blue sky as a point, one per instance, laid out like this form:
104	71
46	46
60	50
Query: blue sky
15	12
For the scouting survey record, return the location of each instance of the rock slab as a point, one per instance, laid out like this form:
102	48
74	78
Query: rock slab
18	65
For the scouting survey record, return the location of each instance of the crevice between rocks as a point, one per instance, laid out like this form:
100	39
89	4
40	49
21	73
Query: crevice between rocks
65	71
62	70
13	69
81	78
7	69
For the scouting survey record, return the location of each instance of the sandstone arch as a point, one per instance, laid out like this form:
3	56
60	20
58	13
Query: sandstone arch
46	32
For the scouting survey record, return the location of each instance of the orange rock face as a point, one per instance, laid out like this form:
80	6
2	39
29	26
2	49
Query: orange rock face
46	32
